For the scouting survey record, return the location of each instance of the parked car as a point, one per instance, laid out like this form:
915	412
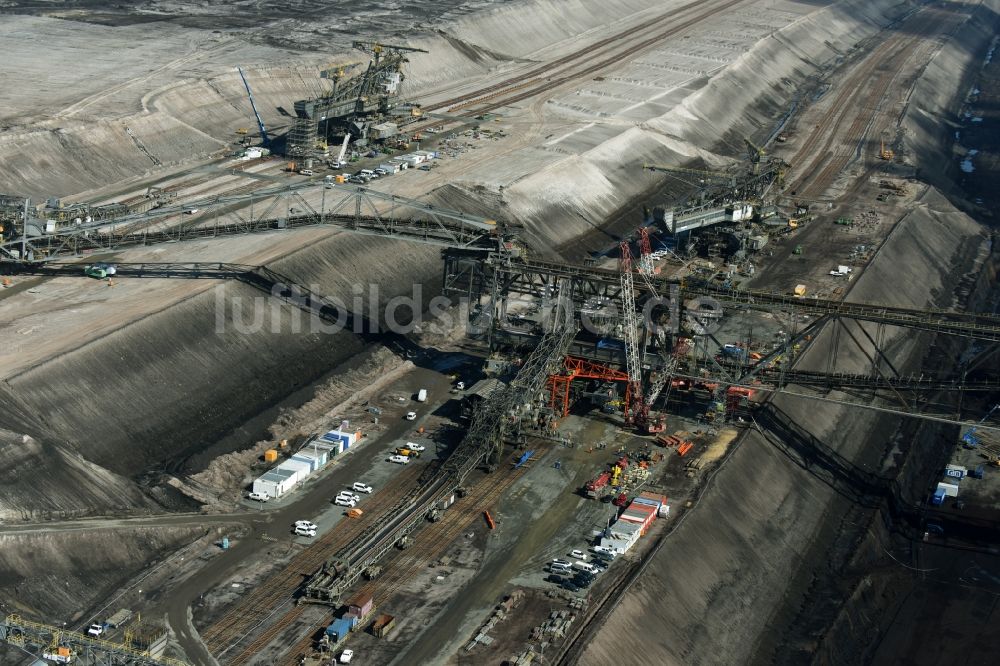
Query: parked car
344	501
346	656
578	554
413	446
562	563
555	578
460	386
260	497
305	524
569	585
411	416
361	487
95	629
350	495
302	531
399	460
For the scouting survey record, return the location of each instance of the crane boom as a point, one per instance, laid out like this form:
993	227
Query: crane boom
343	149
631	323
717	176
260	123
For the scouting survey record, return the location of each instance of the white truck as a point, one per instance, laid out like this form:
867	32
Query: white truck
422	395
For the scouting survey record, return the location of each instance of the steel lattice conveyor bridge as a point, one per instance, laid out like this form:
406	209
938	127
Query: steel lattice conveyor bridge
348	207
474	276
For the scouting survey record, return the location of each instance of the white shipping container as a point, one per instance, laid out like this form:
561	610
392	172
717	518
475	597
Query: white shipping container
299	469
950	489
310	460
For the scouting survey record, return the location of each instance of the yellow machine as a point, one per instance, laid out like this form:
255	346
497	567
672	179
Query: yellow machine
616	475
885	153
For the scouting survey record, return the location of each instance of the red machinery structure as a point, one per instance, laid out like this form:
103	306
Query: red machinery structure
578	368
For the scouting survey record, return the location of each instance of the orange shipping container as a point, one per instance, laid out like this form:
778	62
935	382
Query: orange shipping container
63	651
271	455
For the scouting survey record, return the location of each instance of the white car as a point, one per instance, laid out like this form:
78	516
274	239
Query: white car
361	487
561	563
346	656
350	496
95	629
413	446
578	555
302	531
260	497
305	524
411	416
399	460
344	501
460	386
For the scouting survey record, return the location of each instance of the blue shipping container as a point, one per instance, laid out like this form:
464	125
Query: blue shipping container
938	498
339	629
647	501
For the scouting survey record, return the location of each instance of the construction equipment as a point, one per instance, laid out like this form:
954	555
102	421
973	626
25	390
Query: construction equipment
630	321
264	140
885	153
755	155
354	104
704	176
343	151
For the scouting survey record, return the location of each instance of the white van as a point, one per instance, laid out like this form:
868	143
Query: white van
584	566
559	567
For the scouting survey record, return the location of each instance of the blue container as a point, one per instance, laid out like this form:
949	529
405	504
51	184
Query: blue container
937	499
339	629
225	543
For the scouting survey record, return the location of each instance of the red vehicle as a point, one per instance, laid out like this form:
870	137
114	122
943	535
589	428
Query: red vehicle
593	488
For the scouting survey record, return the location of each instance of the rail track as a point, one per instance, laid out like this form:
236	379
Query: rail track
861	97
429	543
558	72
279	589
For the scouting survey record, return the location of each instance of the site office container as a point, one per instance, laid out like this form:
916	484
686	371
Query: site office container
299	469
336	445
619	546
950	489
955	471
641	514
312	461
